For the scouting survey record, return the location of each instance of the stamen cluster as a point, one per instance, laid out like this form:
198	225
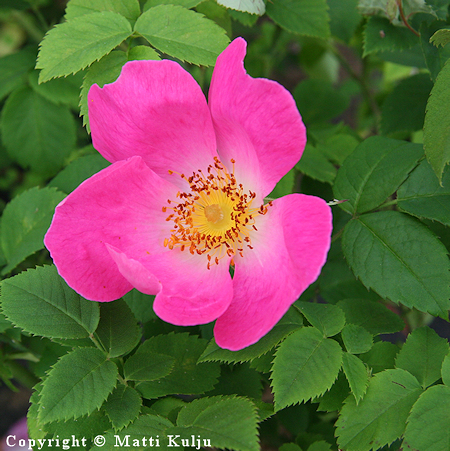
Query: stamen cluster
215	217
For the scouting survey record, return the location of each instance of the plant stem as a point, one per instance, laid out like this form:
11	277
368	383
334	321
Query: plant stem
404	19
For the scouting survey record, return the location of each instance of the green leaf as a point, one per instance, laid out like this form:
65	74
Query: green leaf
40	302
142	52
24	223
148	429
123	406
435	57
77	385
37	133
404	108
129	8
356	339
374	170
380	418
373	316
249	6
148	366
338	147
183	34
429	422
436	132
381	357
291	321
141	305
305	17
229	422
315	165
14	69
327	318
74	45
185	3
306	365
322	445
441	37
285	185
400	259
445	370
422	355
334	398
186	377
421	194
356	373
381	36
344	18
319	101
101	72
117	330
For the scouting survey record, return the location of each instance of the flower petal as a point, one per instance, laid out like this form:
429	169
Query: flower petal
155	110
119	206
261	109
290	249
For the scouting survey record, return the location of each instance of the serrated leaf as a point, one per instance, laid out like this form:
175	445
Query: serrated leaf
380	417
436	132
24	223
14	69
141	305
148	366
249	6
441	37
77	385
117	330
375	317
122	406
404	107
445	370
315	165
421	194
373	171
422	355
74	45
400	259
429	422
356	373
129	8
228	422
185	3
305	17
357	340
334	398
101	72
327	318
187	376
381	36
40	302
291	321
182	33
435	57
306	365
142	52
37	133
381	357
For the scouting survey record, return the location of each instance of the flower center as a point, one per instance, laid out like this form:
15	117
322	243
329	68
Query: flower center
215	217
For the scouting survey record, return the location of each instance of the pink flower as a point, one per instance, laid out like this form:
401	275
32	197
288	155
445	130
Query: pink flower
184	197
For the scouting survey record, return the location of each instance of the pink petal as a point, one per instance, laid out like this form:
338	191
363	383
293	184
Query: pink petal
190	294
120	206
254	115
155	110
290	249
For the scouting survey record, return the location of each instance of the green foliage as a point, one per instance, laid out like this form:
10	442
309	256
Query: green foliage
400	259
229	422
441	37
422	355
435	57
315	165
76	44
380	357
36	132
329	319
306	365
380	418
77	385
344	18
429	423
129	8
148	366
445	370
183	34
373	172
421	194
23	229
356	374
249	6
40	302
436	132
186	376
122	406
356	339
305	17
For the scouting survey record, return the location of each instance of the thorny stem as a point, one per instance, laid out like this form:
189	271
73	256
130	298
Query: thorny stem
404	19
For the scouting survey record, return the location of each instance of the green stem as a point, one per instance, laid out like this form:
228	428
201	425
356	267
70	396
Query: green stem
388	203
97	343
